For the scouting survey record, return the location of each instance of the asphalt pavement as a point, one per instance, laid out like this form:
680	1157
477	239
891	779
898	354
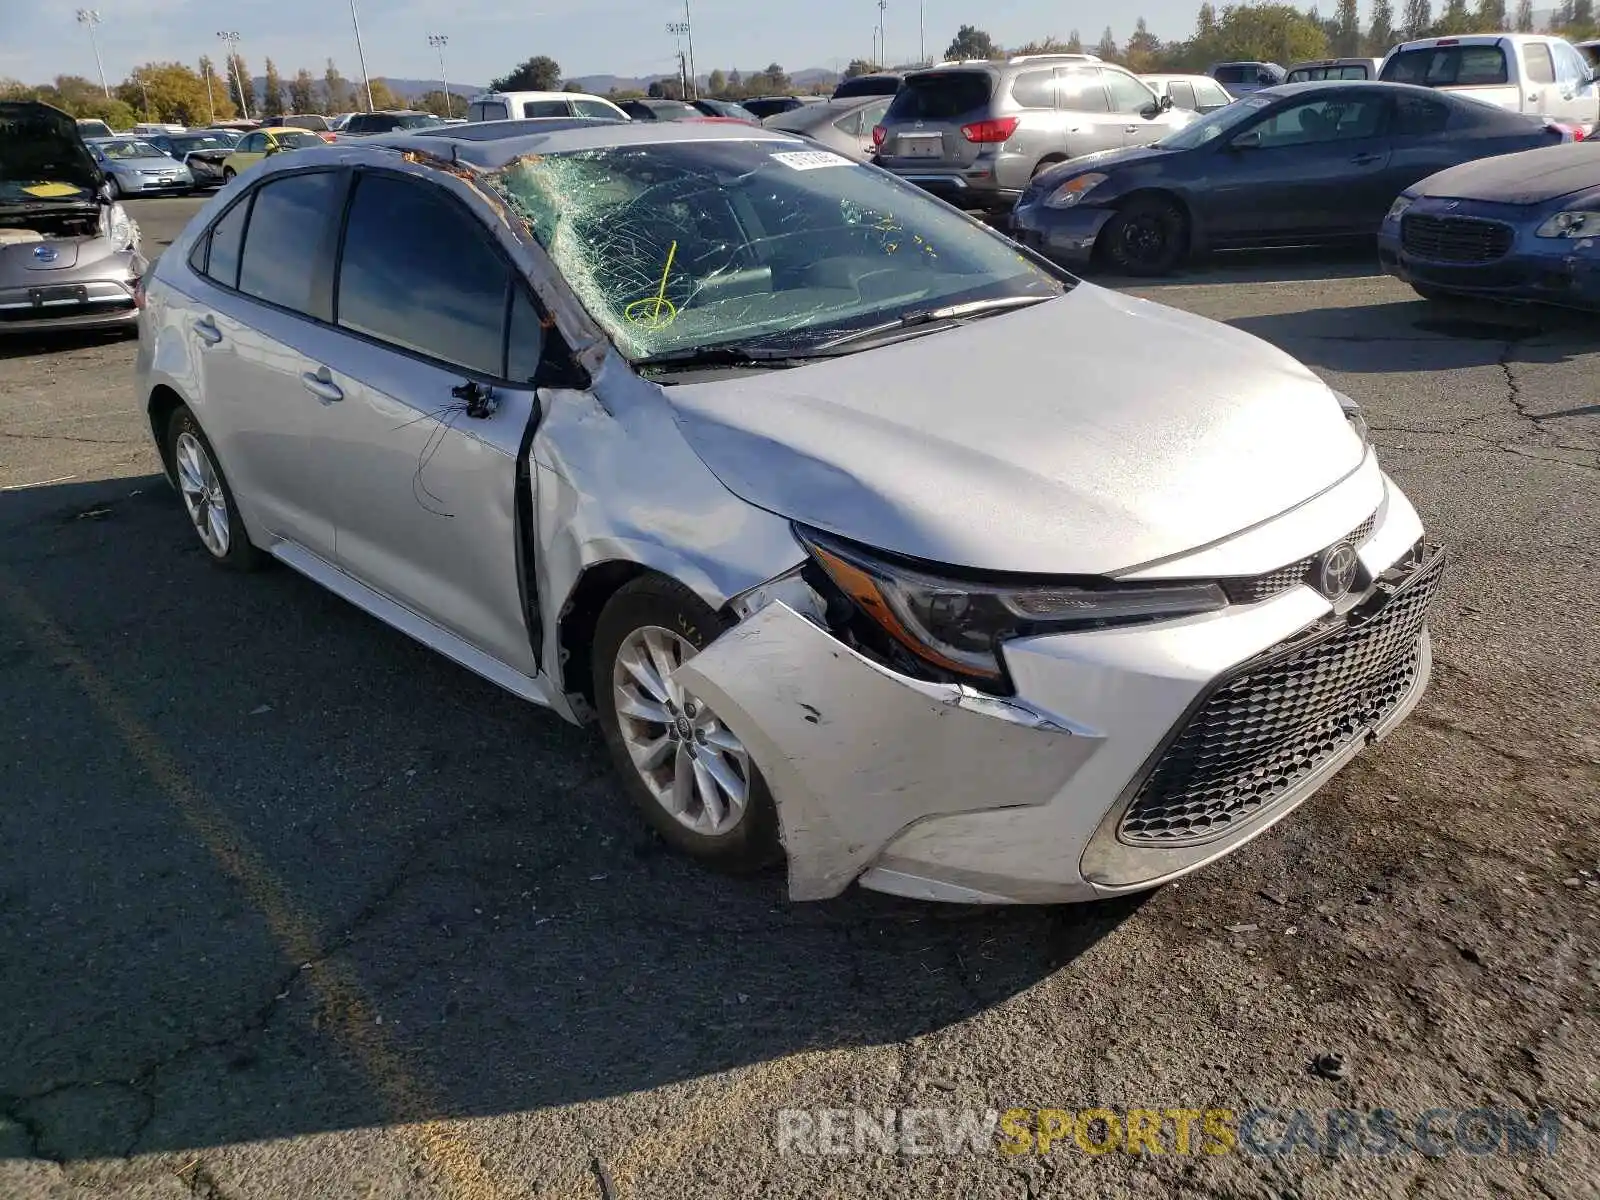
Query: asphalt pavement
291	907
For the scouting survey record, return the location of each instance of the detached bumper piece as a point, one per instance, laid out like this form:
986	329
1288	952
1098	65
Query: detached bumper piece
1270	727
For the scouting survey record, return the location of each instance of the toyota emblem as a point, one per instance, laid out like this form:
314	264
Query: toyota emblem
46	253
1336	570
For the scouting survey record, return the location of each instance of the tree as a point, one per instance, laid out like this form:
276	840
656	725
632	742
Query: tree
1260	33
1107	49
383	97
778	78
572	85
165	92
439	105
1582	17
540	73
1380	34
1206	26
1347	44
1455	19
303	93
1524	16
857	68
1074	43
1492	15
971	42
1143	52
736	85
336	93
717	82
1418	19
239	77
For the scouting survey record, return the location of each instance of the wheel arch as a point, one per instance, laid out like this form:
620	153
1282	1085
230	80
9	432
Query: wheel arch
1193	232
163	403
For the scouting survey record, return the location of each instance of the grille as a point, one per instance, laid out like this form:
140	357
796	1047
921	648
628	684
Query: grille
1268	728
1263	587
1454	239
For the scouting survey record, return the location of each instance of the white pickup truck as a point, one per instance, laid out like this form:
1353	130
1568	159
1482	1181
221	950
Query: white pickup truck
1532	73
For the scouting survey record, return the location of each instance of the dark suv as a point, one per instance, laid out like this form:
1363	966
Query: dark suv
388	122
975	132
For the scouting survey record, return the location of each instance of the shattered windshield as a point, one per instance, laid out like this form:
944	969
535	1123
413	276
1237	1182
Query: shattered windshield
685	245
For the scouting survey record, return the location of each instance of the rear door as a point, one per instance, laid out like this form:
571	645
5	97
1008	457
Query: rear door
1575	87
1089	124
923	123
1132	101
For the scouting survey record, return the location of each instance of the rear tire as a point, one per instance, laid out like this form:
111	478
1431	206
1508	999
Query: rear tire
207	497
668	746
1149	236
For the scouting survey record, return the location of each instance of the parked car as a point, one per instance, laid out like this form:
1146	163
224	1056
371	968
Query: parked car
767	106
232	136
1290	165
842	125
145	128
1192	93
363	124
90	127
254	147
311	122
878	83
133	167
239	127
1327	69
660	110
202	151
725	108
69	255
1590	49
1242	78
1516	228
678	454
508	106
975	134
1531	73
340	120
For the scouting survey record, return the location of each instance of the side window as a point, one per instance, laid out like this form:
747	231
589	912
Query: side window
254	144
1081	91
1417	116
545	108
1337	119
419	273
286	257
524	338
593	108
1128	95
227	239
873	115
1571	70
1541	68
1034	89
849	124
1182	95
1211	93
491	111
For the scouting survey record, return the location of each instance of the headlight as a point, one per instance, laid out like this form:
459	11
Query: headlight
119	228
958	625
1399	206
1575	224
1074	190
1353	414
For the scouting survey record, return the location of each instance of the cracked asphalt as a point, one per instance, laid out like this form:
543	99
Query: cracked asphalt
291	907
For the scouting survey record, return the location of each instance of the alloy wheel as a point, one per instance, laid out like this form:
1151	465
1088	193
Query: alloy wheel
691	763
203	495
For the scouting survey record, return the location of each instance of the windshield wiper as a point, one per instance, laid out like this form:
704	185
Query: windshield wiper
926	316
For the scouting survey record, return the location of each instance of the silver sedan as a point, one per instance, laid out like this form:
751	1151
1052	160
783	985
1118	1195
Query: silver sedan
870	541
133	167
842	125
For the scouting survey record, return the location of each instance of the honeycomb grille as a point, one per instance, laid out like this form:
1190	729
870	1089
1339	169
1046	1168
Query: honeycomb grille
1268	728
1454	239
1263	587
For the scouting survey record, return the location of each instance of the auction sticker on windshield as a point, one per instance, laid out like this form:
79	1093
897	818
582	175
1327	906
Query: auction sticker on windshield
810	160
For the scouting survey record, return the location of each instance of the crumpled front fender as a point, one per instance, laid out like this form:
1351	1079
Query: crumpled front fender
854	753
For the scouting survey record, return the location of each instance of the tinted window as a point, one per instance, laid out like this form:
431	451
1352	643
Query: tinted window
1211	93
1417	115
1448	66
524	339
253	144
545	108
1541	67
941	95
1182	95
492	111
867	85
284	257
1128	95
1338	119
419	273
227	236
1234	74
1082	91
1035	89
593	108
296	139
672	110
849	124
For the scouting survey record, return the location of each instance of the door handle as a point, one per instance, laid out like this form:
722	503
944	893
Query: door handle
1362	160
1130	129
208	331
323	388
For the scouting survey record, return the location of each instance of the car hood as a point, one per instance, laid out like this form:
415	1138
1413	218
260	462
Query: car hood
1103	160
40	148
1085	435
1530	177
163	163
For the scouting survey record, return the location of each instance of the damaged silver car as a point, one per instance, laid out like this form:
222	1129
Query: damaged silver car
69	255
870	540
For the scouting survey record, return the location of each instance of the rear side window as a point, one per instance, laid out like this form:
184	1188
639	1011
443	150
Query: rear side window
1234	75
941	95
227	239
1418	116
487	111
545	108
1448	66
1035	89
1182	95
1541	67
419	273
593	108
285	254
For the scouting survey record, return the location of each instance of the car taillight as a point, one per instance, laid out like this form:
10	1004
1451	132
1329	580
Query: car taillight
878	134
990	131
1569	133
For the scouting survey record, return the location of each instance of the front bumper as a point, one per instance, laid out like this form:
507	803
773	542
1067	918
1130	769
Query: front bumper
1067	235
980	186
1127	757
144	185
95	297
1541	270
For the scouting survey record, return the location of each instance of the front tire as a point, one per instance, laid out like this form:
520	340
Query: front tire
114	187
207	498
1149	236
687	772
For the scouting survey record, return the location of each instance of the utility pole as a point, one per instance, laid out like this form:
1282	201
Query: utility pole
439	41
680	30
922	36
688	23
883	47
231	39
210	102
91	18
361	55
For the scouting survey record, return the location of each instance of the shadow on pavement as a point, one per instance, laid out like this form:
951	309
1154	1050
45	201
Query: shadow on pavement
209	776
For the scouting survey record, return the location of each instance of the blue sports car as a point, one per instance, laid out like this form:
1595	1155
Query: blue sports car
1517	227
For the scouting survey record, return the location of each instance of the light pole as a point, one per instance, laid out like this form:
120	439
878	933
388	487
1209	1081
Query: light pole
361	55
883	48
231	39
922	36
210	103
439	41
91	18
688	22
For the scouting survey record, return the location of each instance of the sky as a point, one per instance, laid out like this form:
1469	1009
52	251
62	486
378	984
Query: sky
40	39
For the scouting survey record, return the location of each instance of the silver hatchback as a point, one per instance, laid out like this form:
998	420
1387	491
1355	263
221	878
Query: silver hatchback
869	540
975	133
